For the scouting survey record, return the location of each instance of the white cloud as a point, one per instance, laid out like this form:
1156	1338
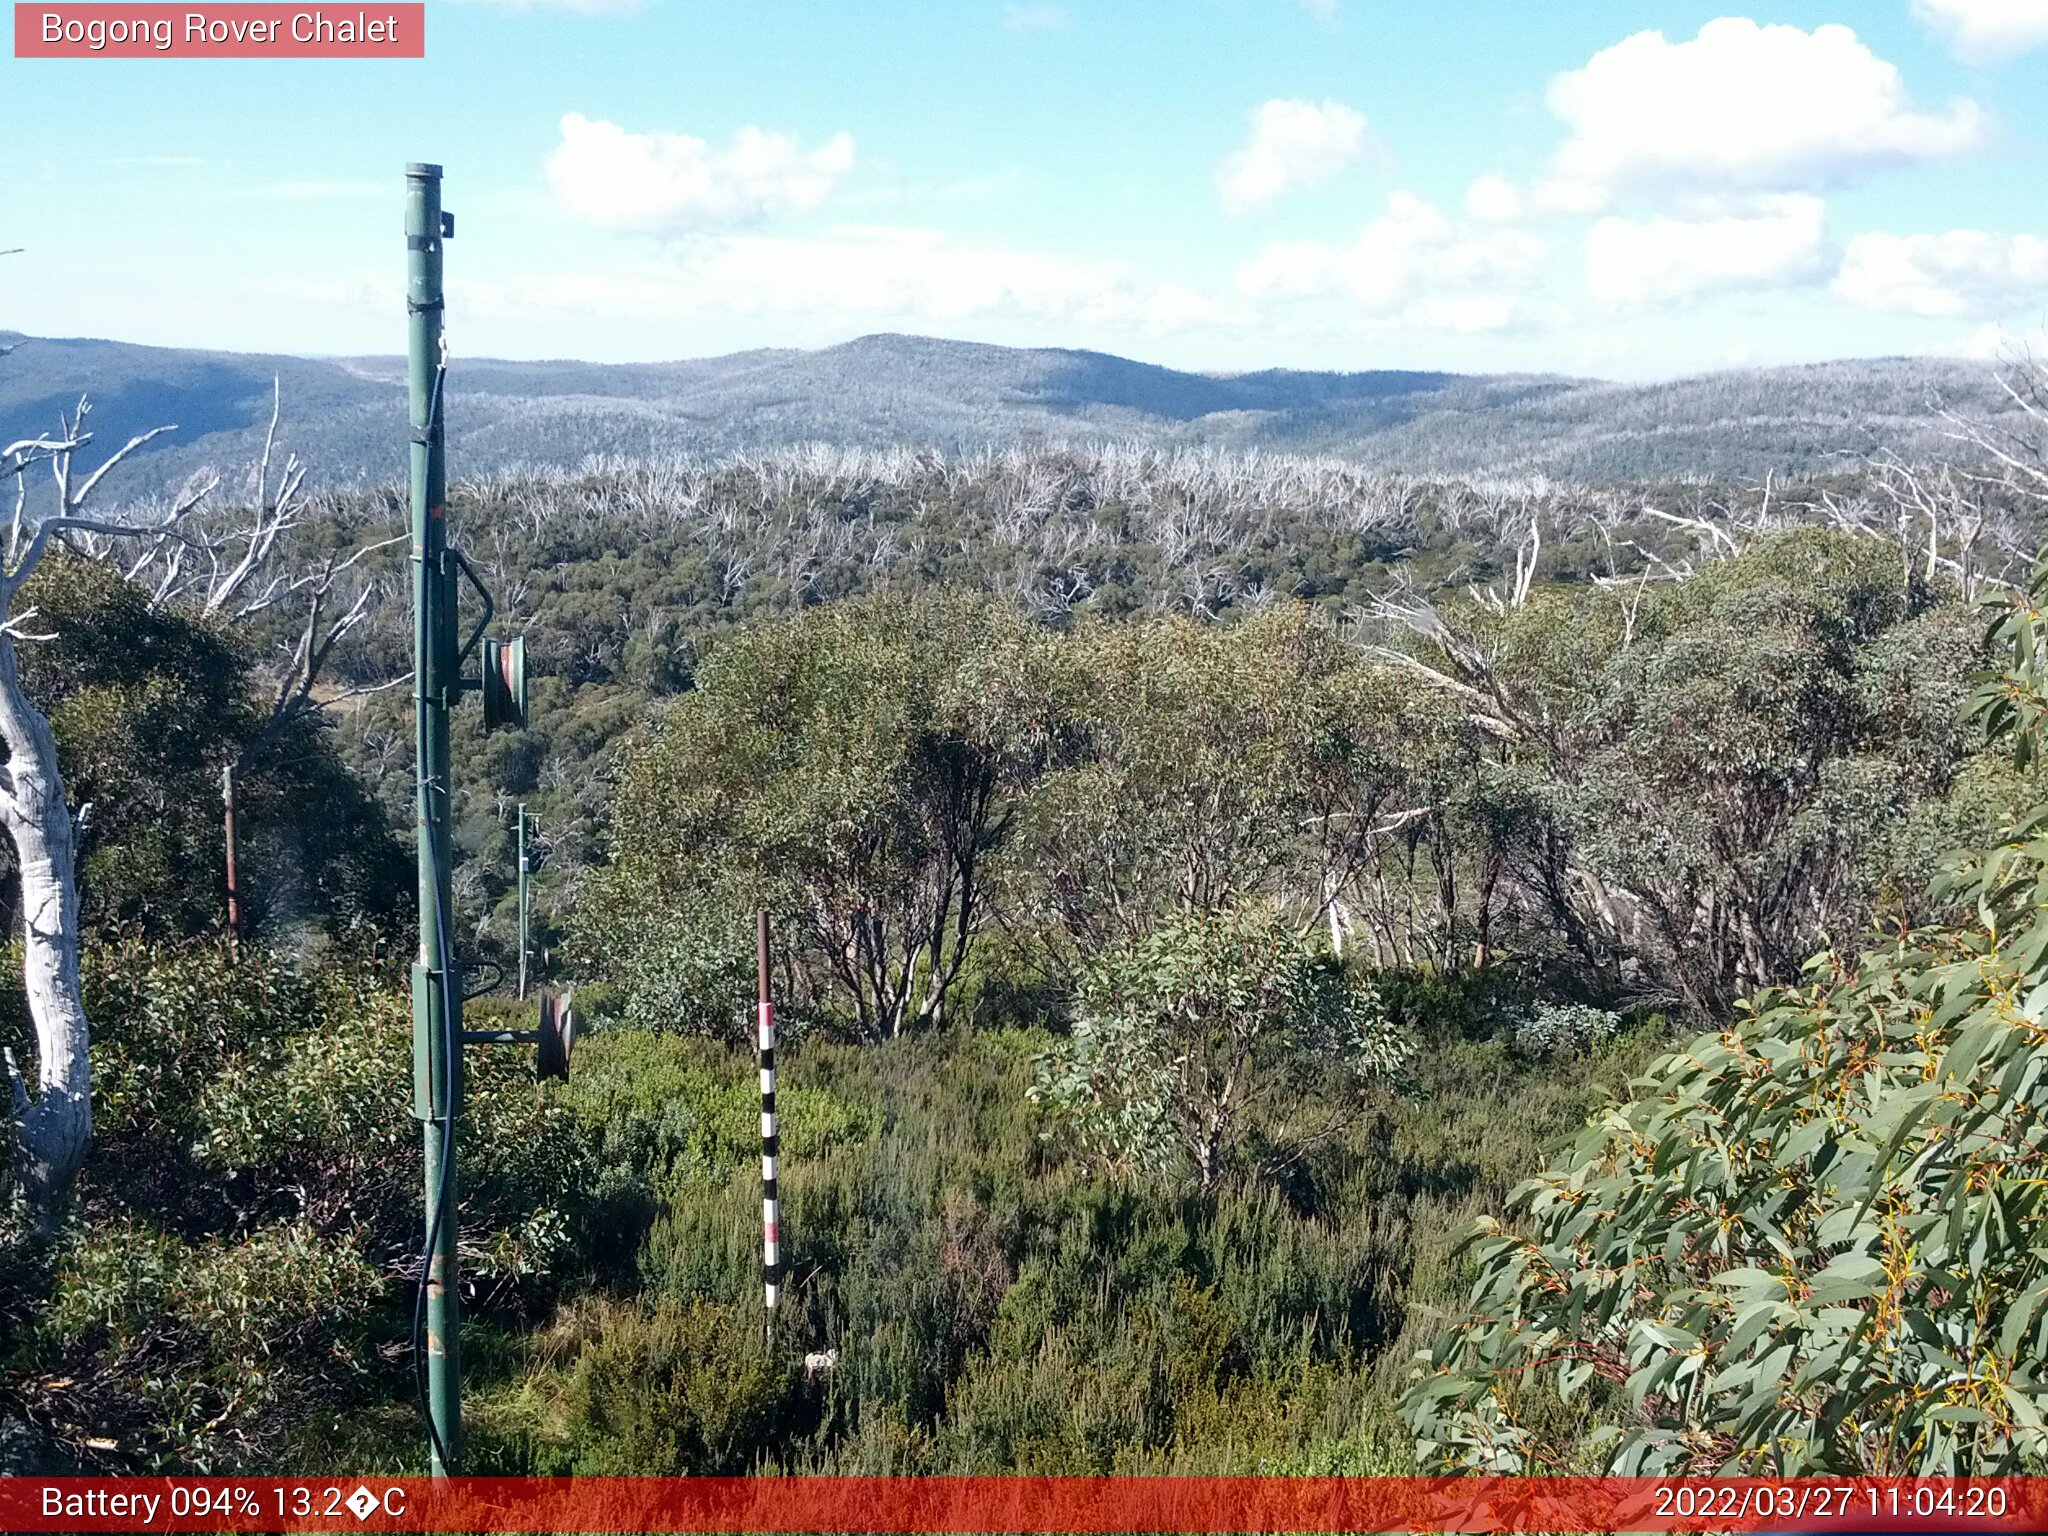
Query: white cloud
1742	107
1987	30
1034	18
1631	261
1996	343
1466	314
868	276
1293	144
1412	264
1495	200
671	181
1961	272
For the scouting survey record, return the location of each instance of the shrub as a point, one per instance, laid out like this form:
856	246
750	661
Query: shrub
1563	1029
250	1212
1214	1036
1810	1242
216	1341
670	1390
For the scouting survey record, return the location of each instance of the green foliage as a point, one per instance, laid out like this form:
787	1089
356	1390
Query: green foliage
993	1307
996	1308
1217	765
212	1342
681	962
1655	795
1520	852
854	769
1563	1029
1213	1031
1702	782
249	1212
671	1390
670	1110
148	704
1810	1241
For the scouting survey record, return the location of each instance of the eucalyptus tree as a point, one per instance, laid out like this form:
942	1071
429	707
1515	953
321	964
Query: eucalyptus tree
1809	1241
1214	765
1218	1040
53	1126
856	768
229	564
1696	779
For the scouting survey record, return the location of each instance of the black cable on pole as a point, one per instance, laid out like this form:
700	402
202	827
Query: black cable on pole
451	1045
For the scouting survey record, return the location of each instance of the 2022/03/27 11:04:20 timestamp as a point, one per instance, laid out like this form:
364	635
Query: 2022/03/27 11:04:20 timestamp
1833	1508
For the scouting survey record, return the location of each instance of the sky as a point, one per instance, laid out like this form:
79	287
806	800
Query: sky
1620	190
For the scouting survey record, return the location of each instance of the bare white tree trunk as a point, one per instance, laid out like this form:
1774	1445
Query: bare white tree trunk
227	571
53	1127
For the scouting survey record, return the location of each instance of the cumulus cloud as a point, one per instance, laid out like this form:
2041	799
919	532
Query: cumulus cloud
1413	263
1987	30
1997	343
1961	272
1648	261
670	181
1292	144
1742	107
1495	200
869	276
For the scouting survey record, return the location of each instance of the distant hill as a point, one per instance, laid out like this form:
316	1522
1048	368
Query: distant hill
345	415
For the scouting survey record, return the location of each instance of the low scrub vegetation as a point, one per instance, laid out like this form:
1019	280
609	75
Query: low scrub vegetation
1276	979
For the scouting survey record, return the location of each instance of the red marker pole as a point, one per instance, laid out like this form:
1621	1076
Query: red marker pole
771	1207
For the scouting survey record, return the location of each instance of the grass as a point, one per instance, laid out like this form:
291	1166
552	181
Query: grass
996	1311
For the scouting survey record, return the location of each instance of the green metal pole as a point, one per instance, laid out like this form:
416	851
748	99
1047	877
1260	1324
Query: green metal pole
523	868
436	994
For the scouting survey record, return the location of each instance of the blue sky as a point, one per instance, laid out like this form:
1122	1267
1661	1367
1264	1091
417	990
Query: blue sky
1629	190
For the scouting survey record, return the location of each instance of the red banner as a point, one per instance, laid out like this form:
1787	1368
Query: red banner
242	29
1122	1505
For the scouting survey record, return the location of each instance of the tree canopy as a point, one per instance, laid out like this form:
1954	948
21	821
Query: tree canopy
1809	1241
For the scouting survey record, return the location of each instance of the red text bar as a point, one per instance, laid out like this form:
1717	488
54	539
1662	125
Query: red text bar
369	29
1113	1506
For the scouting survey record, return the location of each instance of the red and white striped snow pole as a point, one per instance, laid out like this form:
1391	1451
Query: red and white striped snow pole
771	1207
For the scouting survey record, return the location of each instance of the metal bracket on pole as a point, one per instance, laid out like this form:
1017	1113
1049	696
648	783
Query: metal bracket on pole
483	620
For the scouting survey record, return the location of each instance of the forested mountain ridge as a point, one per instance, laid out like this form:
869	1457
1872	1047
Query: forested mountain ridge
924	392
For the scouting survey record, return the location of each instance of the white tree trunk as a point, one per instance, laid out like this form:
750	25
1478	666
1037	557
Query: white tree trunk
56	1125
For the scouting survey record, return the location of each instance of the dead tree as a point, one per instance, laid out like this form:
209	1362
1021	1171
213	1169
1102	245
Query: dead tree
231	562
226	563
53	1125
